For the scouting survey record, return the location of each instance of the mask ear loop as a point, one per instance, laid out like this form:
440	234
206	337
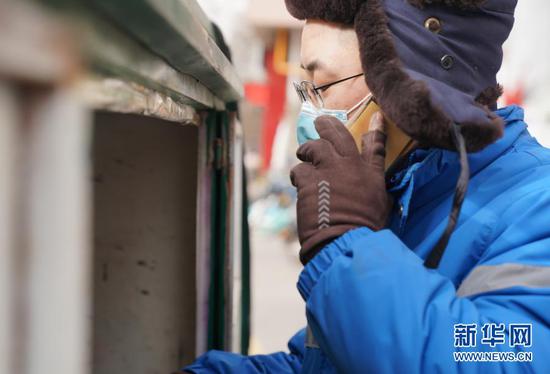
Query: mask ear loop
435	256
367	99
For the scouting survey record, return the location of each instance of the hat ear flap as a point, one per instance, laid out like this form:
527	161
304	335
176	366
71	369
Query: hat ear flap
413	111
462	4
338	11
406	101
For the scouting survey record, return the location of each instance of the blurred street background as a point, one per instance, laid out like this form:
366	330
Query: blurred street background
265	44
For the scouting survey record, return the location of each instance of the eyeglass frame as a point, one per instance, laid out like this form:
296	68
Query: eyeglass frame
302	92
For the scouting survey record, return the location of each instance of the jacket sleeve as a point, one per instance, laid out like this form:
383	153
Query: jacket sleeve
373	307
225	362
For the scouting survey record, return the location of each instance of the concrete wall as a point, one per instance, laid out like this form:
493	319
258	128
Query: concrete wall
145	173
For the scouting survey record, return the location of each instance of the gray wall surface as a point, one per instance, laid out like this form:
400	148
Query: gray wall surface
145	173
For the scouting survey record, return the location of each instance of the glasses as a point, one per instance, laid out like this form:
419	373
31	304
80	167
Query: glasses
307	91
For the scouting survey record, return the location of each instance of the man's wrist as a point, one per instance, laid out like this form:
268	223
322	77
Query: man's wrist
315	244
323	259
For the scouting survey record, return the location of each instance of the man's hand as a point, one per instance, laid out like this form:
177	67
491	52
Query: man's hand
339	188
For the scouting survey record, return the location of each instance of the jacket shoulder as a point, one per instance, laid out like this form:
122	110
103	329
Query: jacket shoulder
528	146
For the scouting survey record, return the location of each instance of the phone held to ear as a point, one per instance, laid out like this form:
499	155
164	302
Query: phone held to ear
398	144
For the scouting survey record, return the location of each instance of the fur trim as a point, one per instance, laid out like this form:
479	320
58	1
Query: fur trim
338	11
404	100
461	4
490	95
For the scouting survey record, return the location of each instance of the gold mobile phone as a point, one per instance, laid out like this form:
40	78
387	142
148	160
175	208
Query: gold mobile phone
398	144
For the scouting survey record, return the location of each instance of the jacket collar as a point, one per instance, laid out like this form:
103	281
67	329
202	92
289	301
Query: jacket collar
442	166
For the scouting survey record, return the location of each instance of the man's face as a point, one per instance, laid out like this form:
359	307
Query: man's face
329	53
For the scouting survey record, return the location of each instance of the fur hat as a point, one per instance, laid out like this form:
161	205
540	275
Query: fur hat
430	64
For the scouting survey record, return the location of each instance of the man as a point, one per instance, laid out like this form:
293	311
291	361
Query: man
391	284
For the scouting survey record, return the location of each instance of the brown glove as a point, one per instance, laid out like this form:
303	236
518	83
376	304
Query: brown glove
339	188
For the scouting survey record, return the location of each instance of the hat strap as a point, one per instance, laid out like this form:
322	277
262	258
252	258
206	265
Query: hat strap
432	262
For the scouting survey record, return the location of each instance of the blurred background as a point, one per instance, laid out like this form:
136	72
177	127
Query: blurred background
146	210
265	42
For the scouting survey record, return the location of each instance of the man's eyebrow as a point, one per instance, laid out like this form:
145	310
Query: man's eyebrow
312	66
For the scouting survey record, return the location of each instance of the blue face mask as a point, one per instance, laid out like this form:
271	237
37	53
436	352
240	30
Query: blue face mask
306	125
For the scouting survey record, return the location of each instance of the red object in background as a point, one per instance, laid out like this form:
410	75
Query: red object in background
272	97
515	95
257	94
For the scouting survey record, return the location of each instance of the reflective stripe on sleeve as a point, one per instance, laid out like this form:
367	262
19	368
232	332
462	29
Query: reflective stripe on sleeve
488	278
310	339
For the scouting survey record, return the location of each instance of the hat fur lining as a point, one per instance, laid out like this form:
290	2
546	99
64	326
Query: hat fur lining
490	96
338	11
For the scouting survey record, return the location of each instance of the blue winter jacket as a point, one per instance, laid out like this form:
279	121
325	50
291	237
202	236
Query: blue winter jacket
373	307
